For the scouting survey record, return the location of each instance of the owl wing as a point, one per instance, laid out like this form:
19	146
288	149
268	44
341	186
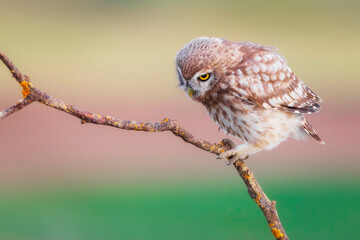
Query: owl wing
264	78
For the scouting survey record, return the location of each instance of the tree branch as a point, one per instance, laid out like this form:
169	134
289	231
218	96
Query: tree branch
31	94
18	106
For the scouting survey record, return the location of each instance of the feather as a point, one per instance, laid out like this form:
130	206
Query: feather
311	131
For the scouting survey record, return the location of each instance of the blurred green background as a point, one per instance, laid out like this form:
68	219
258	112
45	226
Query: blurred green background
63	180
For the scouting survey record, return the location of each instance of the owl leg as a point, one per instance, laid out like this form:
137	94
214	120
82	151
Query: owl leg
240	152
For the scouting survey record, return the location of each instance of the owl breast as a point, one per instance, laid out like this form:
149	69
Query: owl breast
251	123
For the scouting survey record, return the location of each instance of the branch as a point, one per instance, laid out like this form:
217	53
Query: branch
18	106
31	94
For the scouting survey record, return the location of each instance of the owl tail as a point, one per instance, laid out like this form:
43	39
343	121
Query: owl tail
311	131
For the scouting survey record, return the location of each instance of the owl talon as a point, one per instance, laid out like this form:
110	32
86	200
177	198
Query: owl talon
232	156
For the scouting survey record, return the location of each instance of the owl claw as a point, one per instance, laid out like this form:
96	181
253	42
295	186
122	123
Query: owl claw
232	156
233	159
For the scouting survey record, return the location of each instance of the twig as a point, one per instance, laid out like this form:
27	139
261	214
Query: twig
18	106
31	94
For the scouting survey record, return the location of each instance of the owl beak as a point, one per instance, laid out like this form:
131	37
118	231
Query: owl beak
190	92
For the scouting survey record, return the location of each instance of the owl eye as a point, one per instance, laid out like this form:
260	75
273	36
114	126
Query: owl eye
204	77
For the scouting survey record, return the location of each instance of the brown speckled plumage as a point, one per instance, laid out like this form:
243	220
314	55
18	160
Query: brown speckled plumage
251	93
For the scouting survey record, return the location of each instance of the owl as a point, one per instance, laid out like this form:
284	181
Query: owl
249	91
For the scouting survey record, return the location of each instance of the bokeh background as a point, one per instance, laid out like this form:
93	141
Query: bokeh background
63	180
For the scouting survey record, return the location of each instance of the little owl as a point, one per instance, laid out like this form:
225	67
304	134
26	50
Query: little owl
249	91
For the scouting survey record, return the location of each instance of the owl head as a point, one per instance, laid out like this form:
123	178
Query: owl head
199	64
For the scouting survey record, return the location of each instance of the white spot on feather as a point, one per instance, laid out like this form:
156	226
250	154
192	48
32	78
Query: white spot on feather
294	95
248	70
281	76
270	87
260	88
244	82
224	86
265	58
299	91
254	87
242	92
257	58
262	67
272	101
265	105
277	84
238	72
288	98
268	57
275	66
